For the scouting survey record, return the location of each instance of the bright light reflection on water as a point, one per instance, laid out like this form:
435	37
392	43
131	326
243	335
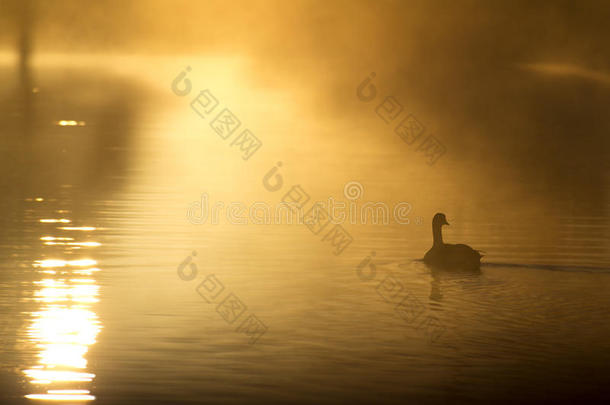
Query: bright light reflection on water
65	324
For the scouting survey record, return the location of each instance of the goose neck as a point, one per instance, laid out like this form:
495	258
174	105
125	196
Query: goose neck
437	234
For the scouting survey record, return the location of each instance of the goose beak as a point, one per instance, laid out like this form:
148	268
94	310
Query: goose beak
446	223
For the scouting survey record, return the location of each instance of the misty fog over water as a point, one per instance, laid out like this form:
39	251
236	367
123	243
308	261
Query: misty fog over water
114	290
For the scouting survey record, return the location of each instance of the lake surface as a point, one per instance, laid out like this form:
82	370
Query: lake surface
95	237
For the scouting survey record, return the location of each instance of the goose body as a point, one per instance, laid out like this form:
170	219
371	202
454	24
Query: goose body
444	255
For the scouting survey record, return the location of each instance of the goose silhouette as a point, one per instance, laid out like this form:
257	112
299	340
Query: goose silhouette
451	257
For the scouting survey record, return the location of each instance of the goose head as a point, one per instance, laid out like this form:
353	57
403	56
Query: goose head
439	220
